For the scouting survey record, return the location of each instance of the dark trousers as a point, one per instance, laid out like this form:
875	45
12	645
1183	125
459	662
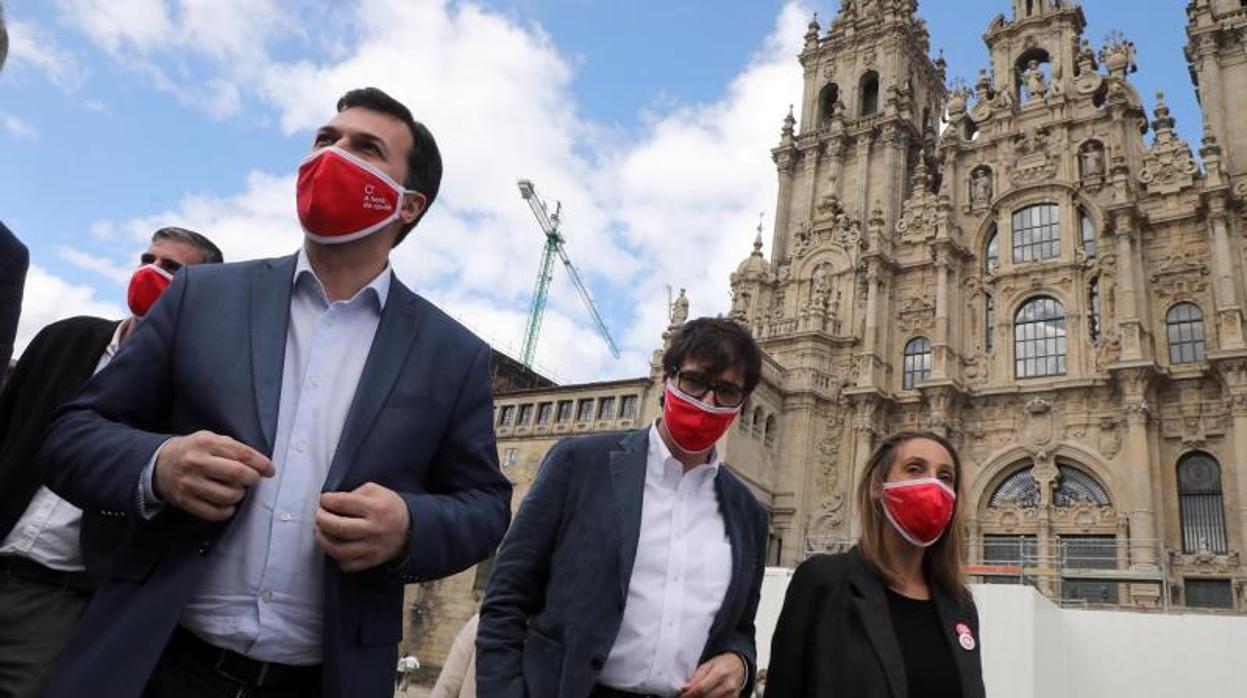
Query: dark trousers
187	671
37	620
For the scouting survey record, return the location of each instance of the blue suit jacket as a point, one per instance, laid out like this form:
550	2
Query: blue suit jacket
210	356
556	597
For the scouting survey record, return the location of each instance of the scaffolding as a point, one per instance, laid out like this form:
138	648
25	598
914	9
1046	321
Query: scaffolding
1072	571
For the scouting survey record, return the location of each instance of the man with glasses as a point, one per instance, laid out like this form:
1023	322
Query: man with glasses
633	566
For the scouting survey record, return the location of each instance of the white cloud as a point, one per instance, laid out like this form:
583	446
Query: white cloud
49	298
31	46
110	270
17	128
677	206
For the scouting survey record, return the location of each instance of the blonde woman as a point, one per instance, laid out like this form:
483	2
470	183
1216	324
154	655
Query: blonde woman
892	617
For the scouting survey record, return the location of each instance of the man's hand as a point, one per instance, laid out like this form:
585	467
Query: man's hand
722	676
363	528
206	474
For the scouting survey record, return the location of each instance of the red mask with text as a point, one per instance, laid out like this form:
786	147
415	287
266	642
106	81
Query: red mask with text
693	425
148	282
343	198
919	509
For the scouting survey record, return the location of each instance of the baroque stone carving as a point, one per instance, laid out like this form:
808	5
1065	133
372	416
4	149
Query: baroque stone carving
1169	166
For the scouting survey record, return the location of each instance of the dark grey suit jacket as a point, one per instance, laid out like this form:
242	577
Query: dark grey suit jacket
556	598
13	262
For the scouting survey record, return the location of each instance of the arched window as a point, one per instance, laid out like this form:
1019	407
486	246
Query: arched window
1088	235
1039	339
1075	486
1036	233
917	362
989	322
827	98
1185	325
991	252
1019	489
757	421
1200	505
868	93
770	430
1093	309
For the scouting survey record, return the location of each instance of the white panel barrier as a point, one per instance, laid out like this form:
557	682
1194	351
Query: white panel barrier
1033	648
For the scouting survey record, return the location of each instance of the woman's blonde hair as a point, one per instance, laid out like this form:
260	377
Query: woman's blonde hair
942	561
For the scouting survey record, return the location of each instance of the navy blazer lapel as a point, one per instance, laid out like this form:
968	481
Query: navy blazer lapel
271	287
951	614
872	607
627	466
396	334
733	521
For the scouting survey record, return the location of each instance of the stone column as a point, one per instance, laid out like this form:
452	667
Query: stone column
1132	331
1210	84
1229	315
870	340
1136	454
894	160
783	207
1234	468
863	176
865	413
939	345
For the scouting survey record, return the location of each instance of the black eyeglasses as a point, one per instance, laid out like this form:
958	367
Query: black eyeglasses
696	384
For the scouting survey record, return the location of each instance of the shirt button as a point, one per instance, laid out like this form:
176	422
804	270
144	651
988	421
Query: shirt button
328	322
286	516
266	595
300	446
315	381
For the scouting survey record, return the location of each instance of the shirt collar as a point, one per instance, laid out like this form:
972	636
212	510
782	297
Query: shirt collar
663	469
378	288
115	343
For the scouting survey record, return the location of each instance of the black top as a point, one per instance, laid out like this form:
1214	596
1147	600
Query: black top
930	670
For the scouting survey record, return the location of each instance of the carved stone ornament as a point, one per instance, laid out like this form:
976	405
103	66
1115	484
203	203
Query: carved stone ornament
916	316
1034	162
829	516
1169	166
1038	422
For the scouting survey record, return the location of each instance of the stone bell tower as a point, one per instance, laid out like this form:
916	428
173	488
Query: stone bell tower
1217	55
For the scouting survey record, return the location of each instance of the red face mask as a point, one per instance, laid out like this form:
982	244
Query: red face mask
919	509
693	425
343	198
148	282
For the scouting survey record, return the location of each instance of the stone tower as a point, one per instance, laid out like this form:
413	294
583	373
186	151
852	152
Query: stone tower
1217	30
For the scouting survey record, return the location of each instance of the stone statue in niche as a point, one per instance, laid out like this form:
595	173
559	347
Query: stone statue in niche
679	310
981	187
822	285
1036	83
1092	161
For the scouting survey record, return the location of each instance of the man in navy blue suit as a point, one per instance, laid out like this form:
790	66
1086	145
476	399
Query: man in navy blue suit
635	563
291	440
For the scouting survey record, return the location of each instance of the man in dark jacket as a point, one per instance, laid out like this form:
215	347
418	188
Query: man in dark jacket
46	547
13	262
635	563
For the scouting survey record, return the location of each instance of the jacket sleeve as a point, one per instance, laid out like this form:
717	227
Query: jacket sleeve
743	640
788	673
454	671
461	517
517	587
97	447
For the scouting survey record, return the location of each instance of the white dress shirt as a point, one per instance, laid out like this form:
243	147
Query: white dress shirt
261	595
47	532
680	577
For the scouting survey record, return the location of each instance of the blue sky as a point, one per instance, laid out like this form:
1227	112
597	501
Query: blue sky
650	120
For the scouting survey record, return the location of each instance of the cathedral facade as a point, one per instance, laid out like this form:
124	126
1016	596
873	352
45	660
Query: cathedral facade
1032	265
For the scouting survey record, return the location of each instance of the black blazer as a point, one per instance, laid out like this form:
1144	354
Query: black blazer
835	639
52	370
13	262
556	597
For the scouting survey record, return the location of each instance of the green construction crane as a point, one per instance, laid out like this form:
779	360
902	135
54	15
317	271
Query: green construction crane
545	272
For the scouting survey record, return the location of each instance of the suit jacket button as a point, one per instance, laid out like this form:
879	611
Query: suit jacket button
597	663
